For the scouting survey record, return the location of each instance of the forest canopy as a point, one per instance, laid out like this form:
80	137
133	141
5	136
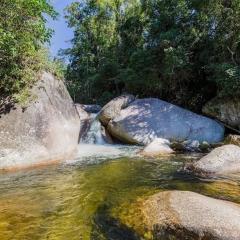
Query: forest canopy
183	51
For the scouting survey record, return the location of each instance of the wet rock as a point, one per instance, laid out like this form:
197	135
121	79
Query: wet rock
47	130
226	110
221	160
85	121
158	146
190	146
106	136
146	119
114	107
81	112
177	146
93	108
232	139
187	215
204	146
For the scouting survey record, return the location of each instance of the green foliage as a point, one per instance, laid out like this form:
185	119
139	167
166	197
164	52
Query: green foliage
22	35
184	51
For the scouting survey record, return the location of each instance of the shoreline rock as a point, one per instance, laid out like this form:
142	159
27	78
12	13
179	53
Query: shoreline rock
221	160
188	215
47	130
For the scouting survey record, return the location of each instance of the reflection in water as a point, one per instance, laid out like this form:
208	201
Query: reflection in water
82	201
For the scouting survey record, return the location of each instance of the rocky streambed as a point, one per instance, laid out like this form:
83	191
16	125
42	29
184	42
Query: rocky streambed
97	197
134	169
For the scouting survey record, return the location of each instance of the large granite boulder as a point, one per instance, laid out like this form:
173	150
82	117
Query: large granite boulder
47	130
146	119
180	215
114	107
226	110
221	160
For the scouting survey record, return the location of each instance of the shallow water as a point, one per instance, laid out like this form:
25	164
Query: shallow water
76	200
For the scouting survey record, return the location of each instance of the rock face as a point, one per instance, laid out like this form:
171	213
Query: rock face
158	146
146	119
225	110
113	108
221	160
47	130
180	215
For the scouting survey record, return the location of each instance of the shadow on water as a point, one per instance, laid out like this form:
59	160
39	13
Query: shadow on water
108	228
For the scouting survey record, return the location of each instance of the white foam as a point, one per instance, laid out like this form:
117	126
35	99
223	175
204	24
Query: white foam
92	152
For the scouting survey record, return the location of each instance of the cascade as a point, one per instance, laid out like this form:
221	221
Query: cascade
94	134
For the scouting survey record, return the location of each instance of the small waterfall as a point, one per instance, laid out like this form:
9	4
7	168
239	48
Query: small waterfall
94	134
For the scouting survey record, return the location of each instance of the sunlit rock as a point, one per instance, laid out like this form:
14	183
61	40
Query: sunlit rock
114	107
158	146
147	119
187	215
47	130
221	160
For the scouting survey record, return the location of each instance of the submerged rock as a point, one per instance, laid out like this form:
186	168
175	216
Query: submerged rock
146	119
113	108
158	146
221	160
47	130
226	110
187	215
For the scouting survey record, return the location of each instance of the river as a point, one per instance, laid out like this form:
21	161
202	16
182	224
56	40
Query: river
86	198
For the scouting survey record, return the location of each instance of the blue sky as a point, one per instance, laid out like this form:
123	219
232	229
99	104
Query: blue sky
63	34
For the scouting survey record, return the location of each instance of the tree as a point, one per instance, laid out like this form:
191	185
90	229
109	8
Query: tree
97	51
23	32
184	51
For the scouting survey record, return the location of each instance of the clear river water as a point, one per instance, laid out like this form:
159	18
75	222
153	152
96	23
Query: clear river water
90	198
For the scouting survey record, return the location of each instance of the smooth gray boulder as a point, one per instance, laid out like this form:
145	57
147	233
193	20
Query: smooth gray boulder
114	107
175	215
46	131
221	160
146	119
